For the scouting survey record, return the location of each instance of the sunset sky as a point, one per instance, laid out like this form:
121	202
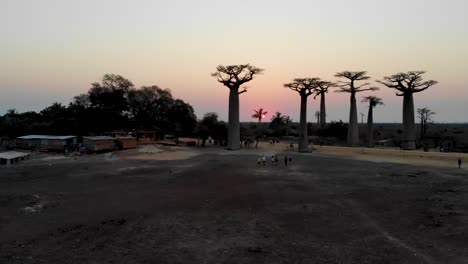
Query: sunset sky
51	50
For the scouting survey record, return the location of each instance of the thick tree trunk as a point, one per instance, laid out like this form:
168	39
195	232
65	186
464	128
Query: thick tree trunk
353	129
409	135
303	138
370	127
323	116
233	125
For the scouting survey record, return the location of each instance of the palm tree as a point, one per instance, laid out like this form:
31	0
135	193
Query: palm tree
373	102
406	85
305	87
233	76
349	86
259	114
322	89
277	116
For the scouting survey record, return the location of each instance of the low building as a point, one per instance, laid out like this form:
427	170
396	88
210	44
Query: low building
11	157
100	143
46	142
147	136
115	134
127	142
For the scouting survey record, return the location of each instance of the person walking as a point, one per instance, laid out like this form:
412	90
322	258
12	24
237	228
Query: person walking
259	160
285	160
264	160
459	163
272	160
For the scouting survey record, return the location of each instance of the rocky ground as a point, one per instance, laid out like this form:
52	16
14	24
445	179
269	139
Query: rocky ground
221	207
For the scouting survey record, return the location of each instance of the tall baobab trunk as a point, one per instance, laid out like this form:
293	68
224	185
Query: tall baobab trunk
233	124
323	116
409	137
370	127
303	138
353	130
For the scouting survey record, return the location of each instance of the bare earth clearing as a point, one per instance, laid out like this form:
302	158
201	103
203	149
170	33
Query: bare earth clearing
212	206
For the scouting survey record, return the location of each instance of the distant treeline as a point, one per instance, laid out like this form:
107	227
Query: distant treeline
112	104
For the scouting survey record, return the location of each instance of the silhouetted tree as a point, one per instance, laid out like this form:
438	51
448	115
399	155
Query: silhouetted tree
259	114
424	115
305	87
321	90
317	115
233	76
373	102
150	107
278	124
406	85
210	126
155	108
182	117
109	101
350	86
338	130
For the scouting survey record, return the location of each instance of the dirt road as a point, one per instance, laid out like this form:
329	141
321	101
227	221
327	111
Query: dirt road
224	208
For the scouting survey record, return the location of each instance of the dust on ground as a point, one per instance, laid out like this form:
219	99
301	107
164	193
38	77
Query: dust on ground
158	152
221	207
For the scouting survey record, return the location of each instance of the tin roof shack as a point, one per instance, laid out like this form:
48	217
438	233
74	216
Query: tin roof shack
99	143
127	142
11	157
147	136
46	143
115	134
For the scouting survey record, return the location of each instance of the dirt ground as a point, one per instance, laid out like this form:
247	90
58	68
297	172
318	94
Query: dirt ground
216	206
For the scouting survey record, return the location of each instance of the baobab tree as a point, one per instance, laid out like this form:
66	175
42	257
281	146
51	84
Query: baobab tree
350	86
373	102
259	114
233	76
424	115
317	115
406	85
305	87
321	90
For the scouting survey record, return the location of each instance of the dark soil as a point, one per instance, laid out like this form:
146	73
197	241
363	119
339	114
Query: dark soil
227	209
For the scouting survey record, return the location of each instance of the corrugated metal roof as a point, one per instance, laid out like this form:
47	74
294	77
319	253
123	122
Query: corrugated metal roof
12	155
100	138
46	137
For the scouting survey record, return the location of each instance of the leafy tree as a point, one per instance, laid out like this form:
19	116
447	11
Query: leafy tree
304	87
350	86
338	130
278	124
183	118
373	102
109	101
233	76
406	85
210	126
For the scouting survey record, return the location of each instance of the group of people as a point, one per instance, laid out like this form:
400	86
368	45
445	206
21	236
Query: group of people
274	160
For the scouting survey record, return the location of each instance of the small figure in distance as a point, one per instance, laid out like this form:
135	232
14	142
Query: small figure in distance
259	160
459	163
285	160
264	160
290	159
272	160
